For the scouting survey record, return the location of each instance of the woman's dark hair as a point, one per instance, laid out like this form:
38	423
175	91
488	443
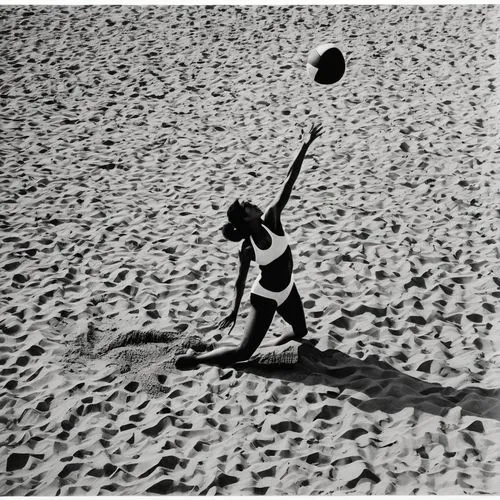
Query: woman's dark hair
236	229
231	233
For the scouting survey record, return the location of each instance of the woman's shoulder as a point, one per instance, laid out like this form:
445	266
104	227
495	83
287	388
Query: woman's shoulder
272	220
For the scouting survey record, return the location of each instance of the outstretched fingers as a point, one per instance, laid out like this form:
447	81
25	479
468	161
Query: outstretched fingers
318	130
225	323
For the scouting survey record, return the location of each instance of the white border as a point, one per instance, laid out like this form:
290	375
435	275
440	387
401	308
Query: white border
248	3
272	497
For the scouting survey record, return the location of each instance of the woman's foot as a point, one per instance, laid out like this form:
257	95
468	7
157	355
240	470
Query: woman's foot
285	338
186	362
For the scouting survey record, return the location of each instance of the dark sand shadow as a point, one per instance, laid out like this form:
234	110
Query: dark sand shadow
389	389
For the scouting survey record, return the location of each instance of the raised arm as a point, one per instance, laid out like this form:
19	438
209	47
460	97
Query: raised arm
283	196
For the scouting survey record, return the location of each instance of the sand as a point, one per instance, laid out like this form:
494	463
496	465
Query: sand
126	132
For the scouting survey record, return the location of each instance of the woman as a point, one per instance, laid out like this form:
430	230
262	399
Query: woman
265	242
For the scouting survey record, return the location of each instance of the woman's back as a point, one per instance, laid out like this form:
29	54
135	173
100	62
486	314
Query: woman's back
275	260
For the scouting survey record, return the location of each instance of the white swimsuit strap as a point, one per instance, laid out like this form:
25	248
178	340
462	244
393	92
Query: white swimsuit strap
272	240
273	235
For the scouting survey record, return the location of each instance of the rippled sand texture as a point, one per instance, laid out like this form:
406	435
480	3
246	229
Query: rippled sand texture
126	131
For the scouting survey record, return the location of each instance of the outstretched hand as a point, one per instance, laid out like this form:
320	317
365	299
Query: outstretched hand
314	133
228	321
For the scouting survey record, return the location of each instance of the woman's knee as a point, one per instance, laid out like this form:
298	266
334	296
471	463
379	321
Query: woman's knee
244	352
300	330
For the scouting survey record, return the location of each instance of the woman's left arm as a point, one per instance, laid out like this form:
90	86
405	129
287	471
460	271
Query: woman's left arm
282	199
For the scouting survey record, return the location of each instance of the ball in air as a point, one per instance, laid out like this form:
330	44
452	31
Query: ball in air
326	64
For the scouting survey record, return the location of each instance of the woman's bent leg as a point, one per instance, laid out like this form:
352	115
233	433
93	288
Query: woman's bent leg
292	311
260	318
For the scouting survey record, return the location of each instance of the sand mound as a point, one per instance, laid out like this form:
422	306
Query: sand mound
146	357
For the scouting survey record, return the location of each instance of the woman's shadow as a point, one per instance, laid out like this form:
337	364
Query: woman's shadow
388	389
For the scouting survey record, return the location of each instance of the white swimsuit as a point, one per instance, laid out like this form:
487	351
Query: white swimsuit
279	244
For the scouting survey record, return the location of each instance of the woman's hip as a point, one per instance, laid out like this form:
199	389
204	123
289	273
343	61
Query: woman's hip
279	297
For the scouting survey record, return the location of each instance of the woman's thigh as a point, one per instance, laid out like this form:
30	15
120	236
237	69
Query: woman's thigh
259	320
292	311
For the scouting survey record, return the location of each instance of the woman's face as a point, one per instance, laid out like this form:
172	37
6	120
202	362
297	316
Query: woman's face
252	211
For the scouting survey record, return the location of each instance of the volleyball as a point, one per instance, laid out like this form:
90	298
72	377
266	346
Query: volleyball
326	64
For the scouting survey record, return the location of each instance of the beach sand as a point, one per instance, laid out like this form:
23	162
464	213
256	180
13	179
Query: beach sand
127	131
